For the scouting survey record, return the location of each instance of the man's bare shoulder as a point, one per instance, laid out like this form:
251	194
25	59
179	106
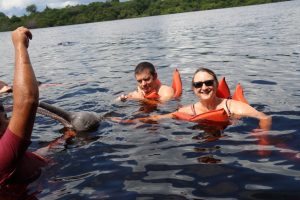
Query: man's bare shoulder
166	89
166	93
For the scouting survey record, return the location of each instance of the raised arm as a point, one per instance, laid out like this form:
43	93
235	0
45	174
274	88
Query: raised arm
25	93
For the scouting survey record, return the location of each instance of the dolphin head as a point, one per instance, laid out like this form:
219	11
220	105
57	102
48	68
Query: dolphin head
85	121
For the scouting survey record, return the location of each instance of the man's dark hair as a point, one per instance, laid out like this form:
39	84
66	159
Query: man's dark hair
145	65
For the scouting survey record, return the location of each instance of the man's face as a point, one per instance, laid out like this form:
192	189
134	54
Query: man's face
146	81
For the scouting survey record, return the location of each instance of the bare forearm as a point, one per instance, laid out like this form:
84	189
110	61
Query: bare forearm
25	84
25	93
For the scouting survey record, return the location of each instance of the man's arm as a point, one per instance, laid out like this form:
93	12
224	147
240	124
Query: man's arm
135	95
25	93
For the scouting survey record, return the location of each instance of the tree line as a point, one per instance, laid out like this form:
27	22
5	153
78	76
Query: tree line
113	10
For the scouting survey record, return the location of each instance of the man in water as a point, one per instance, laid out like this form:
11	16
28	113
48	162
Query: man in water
149	87
17	165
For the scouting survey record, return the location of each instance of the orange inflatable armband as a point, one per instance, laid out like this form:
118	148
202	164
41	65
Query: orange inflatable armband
177	84
223	89
239	94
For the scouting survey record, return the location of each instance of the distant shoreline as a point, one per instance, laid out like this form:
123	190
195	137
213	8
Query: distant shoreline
114	10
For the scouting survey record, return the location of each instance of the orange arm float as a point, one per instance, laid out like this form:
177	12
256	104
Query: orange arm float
177	84
239	94
223	89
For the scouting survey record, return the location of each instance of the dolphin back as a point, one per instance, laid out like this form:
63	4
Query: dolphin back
58	111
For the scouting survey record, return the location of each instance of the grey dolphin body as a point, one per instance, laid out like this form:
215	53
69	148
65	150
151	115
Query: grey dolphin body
79	121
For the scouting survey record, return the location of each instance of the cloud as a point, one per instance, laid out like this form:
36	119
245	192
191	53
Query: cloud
5	5
18	7
62	4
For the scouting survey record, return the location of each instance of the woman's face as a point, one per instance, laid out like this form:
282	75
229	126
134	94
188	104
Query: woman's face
204	86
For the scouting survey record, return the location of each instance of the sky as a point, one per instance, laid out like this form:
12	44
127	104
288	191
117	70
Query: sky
18	7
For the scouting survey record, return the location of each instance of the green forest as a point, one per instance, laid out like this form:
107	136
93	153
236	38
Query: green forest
113	10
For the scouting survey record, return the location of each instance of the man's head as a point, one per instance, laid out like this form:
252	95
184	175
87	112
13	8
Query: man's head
146	76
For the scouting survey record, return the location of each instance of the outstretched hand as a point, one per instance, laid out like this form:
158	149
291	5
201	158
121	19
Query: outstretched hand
21	37
4	88
123	98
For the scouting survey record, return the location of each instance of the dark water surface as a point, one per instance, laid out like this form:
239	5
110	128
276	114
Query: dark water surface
92	64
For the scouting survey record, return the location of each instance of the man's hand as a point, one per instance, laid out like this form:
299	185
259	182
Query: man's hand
123	98
136	95
21	36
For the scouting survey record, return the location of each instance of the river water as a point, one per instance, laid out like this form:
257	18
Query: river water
87	66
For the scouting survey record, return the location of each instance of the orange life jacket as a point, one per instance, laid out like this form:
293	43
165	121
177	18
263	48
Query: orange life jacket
154	94
176	85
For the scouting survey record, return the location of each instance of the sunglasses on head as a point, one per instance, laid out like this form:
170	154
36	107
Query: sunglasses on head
200	83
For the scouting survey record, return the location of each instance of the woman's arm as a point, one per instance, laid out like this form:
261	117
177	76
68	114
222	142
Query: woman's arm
150	119
244	110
